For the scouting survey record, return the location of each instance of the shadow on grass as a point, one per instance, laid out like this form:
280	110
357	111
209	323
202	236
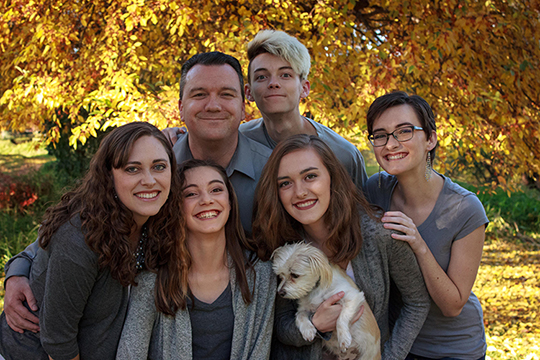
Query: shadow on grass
20	164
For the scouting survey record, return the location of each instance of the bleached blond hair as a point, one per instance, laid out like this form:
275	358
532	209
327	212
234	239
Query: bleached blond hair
281	44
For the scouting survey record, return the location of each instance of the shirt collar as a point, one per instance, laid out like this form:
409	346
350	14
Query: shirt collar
241	161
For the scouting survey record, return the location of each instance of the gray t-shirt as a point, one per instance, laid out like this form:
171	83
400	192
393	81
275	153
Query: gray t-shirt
346	152
456	214
81	307
212	339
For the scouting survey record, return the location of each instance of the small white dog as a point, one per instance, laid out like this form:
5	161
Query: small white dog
306	275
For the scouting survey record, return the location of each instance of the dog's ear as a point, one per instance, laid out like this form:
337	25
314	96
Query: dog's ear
319	263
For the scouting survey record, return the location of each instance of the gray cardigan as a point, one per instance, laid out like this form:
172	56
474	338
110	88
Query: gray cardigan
150	334
380	261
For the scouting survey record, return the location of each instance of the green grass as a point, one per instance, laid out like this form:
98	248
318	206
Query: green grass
515	215
22	157
24	163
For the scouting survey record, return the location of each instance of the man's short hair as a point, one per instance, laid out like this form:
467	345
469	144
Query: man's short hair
283	45
209	59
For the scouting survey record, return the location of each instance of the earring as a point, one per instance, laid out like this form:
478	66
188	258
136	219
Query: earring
428	167
379	176
115	196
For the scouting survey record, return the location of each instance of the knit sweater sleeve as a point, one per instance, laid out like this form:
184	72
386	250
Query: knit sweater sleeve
285	328
263	302
142	313
406	274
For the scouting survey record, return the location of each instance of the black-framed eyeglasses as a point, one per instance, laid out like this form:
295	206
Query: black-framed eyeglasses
401	134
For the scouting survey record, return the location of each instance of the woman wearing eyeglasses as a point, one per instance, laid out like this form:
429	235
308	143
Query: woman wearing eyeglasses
443	223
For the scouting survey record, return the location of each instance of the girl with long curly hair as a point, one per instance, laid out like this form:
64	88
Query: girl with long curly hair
305	194
122	218
227	310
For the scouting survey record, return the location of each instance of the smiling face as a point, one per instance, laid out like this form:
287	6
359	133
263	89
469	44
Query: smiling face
144	182
206	201
396	157
212	105
275	87
304	187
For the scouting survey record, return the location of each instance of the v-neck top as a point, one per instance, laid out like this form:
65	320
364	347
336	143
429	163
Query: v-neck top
212	339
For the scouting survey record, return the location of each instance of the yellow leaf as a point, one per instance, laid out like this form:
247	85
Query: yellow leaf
129	24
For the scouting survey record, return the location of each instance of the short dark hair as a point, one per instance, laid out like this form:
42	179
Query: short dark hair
417	103
209	59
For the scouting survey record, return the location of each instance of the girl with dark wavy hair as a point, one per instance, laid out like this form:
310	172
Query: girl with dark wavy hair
228	310
305	194
122	218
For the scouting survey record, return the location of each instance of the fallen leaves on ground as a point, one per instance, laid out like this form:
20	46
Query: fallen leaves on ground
508	286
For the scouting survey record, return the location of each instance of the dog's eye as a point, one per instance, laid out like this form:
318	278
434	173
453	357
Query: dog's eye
294	276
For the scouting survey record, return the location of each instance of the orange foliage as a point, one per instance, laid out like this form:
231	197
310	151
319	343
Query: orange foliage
476	62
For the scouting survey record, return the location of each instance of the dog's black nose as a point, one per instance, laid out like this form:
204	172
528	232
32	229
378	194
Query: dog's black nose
282	292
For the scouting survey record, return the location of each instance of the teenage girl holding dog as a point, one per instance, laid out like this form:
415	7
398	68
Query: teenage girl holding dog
442	222
305	194
227	298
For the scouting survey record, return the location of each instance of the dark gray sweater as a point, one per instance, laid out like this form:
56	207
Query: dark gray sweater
81	307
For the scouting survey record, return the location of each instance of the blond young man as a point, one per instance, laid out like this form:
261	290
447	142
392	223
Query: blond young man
278	68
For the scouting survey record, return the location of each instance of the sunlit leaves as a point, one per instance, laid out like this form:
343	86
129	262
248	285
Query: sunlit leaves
107	63
508	287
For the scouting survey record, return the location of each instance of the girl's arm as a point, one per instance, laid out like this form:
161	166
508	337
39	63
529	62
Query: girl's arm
284	324
406	275
449	290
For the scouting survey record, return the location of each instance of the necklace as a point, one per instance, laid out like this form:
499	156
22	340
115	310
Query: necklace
139	253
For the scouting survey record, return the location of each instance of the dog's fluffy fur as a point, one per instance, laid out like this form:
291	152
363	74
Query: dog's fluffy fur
306	275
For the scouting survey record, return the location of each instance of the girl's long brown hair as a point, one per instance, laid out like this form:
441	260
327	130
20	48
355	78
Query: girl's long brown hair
108	224
236	241
273	226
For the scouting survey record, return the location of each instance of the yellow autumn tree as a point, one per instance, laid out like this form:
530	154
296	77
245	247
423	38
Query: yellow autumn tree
107	63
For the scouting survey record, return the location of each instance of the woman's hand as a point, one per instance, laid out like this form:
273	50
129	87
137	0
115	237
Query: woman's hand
172	133
17	315
396	220
449	289
327	313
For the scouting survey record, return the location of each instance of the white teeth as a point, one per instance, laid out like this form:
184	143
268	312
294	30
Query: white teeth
395	157
207	215
147	195
305	204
